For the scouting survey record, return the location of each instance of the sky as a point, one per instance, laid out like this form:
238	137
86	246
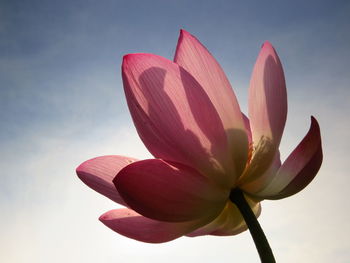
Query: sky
62	102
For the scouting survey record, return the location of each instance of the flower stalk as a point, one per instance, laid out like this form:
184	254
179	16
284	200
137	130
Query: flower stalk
261	243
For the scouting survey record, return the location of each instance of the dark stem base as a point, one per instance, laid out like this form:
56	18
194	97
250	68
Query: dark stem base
255	229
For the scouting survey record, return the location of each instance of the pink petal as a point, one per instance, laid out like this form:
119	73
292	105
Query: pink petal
247	128
230	215
229	222
267	96
261	181
267	109
230	231
197	60
99	172
169	191
231	227
174	116
130	224
300	167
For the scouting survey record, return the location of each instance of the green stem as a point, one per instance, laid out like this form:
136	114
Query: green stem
261	243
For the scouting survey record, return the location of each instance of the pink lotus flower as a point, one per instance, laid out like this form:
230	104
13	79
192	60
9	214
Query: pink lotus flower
188	117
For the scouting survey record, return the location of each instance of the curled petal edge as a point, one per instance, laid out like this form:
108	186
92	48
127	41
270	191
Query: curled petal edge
98	173
300	167
133	225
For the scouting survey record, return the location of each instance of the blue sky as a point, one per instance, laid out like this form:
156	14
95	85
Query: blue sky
62	102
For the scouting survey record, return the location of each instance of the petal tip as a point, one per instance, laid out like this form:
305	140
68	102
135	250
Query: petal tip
81	171
314	124
129	57
313	119
104	217
78	170
183	32
268	47
126	57
134	56
183	35
125	62
266	44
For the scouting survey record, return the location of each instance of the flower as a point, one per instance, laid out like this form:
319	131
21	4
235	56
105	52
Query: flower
188	117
